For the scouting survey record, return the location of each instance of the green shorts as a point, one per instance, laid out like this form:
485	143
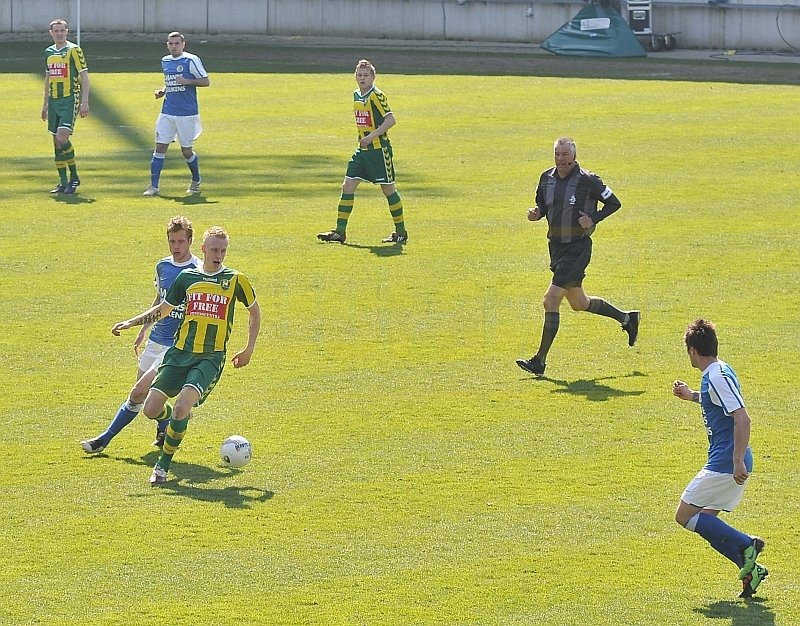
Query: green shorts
181	369
375	166
62	113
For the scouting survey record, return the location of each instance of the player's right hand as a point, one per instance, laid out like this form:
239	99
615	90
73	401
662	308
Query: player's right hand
681	390
120	326
159	93
138	341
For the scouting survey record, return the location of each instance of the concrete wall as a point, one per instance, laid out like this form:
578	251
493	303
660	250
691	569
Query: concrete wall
756	25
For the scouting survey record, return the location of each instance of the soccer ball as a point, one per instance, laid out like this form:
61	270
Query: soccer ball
235	451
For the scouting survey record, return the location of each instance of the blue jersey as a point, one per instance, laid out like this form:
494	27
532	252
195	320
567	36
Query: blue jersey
181	99
721	395
167	270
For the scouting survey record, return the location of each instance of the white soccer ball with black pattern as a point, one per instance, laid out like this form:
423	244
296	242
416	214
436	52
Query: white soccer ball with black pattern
236	451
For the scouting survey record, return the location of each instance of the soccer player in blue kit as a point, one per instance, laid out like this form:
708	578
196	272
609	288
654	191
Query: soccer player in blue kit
180	113
162	335
719	486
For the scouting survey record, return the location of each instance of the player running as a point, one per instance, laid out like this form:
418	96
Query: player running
162	335
719	486
192	367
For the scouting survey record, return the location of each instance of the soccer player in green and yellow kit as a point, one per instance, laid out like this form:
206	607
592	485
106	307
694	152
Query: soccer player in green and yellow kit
66	95
192	367
372	160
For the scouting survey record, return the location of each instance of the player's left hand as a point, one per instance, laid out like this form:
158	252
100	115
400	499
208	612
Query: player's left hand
240	359
740	472
84	110
585	221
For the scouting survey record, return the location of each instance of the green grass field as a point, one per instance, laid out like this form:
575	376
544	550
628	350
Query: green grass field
405	470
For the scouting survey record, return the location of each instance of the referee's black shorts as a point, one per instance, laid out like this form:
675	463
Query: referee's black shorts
568	261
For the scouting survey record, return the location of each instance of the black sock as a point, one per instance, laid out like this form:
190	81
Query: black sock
598	306
549	331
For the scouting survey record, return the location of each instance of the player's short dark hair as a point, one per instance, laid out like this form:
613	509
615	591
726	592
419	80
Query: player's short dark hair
702	336
178	223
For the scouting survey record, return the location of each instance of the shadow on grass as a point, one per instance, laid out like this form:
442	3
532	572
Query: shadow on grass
190	200
187	480
383	251
593	389
750	612
74	198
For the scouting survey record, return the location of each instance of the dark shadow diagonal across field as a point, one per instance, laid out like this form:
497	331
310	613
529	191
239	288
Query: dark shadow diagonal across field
752	612
592	389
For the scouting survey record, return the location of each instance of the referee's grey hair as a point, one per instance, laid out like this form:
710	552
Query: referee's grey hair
566	141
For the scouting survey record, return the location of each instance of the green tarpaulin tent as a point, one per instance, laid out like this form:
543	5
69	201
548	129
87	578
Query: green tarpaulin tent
595	32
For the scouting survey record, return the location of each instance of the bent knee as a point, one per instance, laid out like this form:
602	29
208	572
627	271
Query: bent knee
550	303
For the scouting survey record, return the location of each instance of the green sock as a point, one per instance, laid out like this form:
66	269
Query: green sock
68	155
172	439
345	208
396	209
61	166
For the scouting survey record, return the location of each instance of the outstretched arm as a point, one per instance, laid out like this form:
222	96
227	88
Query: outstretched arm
151	315
242	358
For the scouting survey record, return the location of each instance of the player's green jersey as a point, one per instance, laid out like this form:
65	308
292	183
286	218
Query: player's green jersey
370	110
64	67
210	299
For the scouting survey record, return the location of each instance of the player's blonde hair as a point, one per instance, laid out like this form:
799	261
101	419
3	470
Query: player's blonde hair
215	231
566	141
176	33
59	21
178	223
364	64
